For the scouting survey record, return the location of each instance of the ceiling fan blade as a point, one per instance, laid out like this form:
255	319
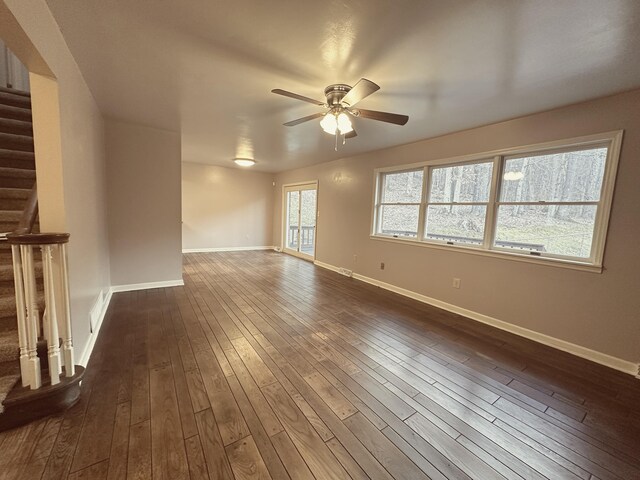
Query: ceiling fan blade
351	134
297	97
293	123
360	90
383	116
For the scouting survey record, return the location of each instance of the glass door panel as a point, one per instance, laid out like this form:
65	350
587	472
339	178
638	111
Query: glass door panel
293	219
307	221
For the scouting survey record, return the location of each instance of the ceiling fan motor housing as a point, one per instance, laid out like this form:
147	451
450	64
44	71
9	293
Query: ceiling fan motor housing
335	94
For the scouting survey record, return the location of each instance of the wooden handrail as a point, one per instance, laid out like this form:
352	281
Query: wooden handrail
37	238
29	213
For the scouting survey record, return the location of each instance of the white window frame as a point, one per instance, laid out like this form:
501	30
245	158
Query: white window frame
611	140
379	204
425	193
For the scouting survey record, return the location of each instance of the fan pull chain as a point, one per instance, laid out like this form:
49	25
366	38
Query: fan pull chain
336	135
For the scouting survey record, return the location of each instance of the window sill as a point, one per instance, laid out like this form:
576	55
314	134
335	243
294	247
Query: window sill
518	257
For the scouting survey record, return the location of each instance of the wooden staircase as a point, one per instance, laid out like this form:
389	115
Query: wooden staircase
20	404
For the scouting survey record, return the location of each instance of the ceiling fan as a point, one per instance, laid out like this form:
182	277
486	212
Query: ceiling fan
341	102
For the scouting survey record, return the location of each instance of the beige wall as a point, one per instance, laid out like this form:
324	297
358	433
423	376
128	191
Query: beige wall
225	207
596	311
68	134
143	172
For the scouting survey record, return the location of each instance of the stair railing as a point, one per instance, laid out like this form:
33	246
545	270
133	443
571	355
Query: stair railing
54	328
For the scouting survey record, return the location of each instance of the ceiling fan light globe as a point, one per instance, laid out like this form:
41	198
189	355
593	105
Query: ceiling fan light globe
344	123
329	123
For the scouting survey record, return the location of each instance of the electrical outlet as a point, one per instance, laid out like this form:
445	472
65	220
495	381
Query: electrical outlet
456	283
381	265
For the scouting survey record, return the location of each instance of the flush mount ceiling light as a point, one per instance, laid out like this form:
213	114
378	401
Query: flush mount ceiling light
244	162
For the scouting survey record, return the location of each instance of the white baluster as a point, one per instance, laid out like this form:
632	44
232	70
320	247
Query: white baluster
51	324
67	338
33	320
21	316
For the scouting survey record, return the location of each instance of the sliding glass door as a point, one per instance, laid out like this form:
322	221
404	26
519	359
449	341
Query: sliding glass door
300	212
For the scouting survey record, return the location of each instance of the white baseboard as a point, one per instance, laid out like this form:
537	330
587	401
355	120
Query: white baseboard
146	286
227	249
102	305
595	356
342	271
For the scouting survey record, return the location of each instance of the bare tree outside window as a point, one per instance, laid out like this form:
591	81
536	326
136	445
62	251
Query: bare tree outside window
551	200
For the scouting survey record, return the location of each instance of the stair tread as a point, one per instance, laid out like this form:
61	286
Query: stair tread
20	127
11	192
15	91
16	154
9	349
15	138
10	215
15	99
6	270
18	113
17	172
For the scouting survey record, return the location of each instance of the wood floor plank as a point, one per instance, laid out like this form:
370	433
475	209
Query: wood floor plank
261	374
291	459
197	463
229	419
140	394
169	459
260	436
139	461
463	458
61	457
187	418
396	462
356	449
336	401
347	461
197	392
120	443
260	405
212	446
317	455
97	471
411	451
48	437
246	462
95	438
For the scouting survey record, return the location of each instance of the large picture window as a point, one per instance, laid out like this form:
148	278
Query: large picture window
546	202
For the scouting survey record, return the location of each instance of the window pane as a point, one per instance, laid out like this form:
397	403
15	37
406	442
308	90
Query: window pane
307	220
403	187
557	177
558	229
399	220
462	183
456	223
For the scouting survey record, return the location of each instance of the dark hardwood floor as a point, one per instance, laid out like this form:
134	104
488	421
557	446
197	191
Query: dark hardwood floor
264	366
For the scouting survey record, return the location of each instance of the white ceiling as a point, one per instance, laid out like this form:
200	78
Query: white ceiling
206	68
